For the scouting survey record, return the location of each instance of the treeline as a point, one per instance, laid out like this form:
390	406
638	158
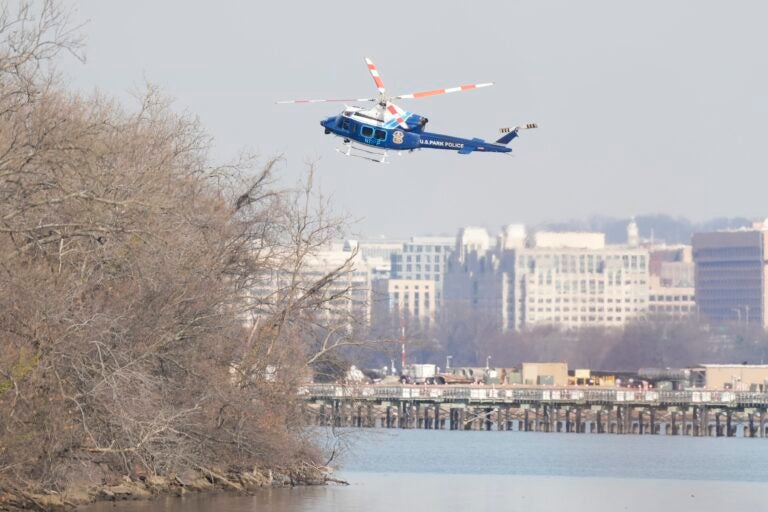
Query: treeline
153	315
660	227
469	338
658	343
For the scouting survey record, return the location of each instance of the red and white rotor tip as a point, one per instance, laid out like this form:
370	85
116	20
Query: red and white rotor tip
445	90
347	100
375	74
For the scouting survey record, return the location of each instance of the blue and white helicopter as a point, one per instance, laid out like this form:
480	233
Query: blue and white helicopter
371	133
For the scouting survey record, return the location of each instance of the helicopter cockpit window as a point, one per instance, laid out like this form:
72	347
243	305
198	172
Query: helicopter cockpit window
380	134
366	131
345	124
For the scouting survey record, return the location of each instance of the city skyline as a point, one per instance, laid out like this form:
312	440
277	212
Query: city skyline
660	227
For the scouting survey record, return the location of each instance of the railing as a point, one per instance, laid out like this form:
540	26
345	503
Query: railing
518	394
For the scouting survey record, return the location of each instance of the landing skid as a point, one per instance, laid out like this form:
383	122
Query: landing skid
364	152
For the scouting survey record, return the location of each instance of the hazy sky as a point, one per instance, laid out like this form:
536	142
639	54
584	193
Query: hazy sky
653	106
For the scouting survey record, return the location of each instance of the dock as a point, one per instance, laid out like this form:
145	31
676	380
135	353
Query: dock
700	413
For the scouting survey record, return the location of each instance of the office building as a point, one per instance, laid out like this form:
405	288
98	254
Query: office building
731	276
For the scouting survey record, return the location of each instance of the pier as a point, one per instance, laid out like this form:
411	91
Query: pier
700	413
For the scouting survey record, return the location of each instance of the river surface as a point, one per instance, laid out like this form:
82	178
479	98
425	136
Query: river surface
394	470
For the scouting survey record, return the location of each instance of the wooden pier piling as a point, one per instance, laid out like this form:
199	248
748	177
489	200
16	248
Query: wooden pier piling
539	409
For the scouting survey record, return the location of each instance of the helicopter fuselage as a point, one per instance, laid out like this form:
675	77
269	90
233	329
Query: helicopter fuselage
365	128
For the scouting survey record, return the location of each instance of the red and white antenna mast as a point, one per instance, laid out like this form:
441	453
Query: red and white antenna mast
402	354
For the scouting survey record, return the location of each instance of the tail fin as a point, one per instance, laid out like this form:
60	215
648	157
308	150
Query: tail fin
511	133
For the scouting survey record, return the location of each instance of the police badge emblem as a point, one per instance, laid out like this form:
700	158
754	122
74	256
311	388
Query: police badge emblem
397	137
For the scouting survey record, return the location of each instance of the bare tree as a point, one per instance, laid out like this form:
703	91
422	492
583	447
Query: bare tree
140	330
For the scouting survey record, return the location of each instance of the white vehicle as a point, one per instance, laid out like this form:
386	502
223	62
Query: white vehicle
421	373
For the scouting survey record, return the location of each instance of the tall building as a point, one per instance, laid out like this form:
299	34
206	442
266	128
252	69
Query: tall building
670	301
731	271
672	292
406	300
347	297
569	280
377	255
480	279
575	280
375	248
673	265
423	258
350	293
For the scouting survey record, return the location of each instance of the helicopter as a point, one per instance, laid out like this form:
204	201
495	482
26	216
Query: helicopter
370	133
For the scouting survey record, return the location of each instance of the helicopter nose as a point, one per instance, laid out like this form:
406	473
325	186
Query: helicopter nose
326	123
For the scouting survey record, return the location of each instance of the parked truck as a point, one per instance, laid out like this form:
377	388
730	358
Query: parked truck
421	373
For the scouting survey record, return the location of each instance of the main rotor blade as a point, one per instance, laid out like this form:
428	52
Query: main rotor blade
375	74
349	100
436	92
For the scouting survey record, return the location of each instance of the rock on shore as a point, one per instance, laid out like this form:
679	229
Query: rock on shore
146	487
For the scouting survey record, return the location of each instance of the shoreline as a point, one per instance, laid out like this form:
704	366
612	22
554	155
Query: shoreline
201	481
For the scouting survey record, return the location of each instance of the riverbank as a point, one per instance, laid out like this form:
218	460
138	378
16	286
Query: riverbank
202	480
385	492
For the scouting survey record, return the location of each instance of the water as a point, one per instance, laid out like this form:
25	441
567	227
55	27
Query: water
494	471
572	455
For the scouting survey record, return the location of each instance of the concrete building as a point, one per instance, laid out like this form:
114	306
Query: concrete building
377	255
348	294
424	258
670	301
472	240
572	240
738	377
376	248
672	293
578	281
407	299
482	280
673	265
352	291
568	280
551	374
730	276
